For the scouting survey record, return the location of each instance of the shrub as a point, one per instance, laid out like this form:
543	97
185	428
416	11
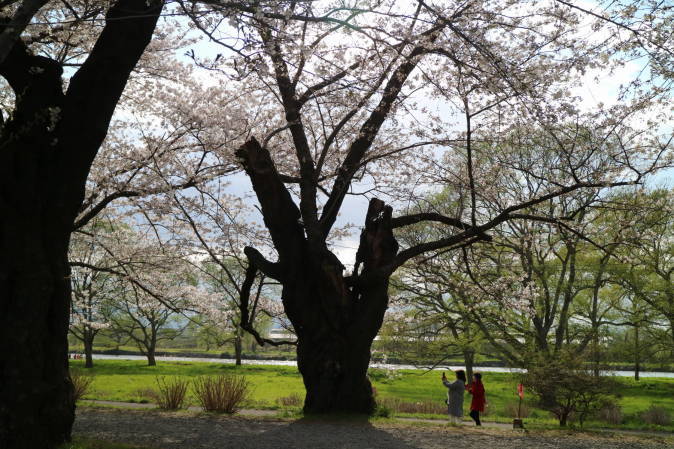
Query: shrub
611	413
81	384
382	411
293	400
564	387
657	415
171	394
223	394
511	408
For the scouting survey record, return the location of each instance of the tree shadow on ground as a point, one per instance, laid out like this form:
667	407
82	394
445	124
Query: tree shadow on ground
331	433
181	431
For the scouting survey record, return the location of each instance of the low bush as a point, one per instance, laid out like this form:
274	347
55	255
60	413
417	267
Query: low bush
222	394
171	392
611	413
81	384
293	400
563	386
657	415
511	409
382	411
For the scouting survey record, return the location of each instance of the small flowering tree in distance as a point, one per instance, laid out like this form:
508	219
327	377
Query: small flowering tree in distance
220	315
158	286
92	286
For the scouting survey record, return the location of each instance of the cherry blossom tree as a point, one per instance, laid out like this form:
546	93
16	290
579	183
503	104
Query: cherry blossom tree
64	68
345	117
155	286
92	289
221	317
145	320
334	93
48	144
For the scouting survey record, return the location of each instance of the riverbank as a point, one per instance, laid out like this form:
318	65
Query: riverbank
168	357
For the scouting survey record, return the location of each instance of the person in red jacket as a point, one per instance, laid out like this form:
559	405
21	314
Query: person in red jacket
477	404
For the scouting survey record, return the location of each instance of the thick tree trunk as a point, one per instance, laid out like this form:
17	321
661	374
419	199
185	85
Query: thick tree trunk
333	351
47	148
563	420
595	352
337	323
334	371
36	406
151	348
335	318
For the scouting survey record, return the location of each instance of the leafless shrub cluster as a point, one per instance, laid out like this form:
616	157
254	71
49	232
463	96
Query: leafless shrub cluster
657	415
222	394
293	400
611	413
81	384
171	393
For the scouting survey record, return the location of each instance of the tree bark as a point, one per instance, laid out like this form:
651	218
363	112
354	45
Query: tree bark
151	345
88	350
337	323
36	406
335	334
238	349
469	358
46	150
637	358
335	318
595	352
151	360
563	419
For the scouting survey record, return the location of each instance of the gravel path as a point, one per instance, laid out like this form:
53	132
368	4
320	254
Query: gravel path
191	431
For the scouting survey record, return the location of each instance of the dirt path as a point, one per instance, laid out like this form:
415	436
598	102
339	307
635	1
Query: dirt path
187	430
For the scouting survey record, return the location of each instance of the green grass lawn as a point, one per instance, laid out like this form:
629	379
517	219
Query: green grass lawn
126	380
634	397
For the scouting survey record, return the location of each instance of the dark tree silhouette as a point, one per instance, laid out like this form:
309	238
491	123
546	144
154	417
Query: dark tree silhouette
46	148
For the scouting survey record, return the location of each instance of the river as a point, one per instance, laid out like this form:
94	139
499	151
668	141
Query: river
489	369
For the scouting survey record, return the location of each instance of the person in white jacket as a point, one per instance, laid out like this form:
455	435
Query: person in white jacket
455	391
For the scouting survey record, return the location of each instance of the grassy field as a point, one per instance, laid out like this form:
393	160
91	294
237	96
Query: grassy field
128	381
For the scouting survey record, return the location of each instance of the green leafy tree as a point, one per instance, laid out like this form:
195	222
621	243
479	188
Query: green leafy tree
564	387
